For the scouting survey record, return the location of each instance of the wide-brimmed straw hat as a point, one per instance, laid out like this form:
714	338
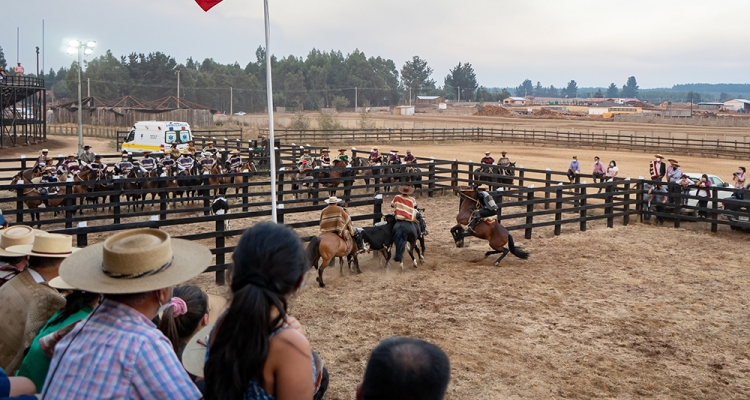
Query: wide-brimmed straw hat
333	200
15	236
482	187
194	355
235	151
59	283
44	151
676	164
135	261
72	155
672	160
342	149
325	151
659	156
406	189
47	245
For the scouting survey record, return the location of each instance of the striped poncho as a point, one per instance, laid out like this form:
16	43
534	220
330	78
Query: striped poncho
334	219
404	206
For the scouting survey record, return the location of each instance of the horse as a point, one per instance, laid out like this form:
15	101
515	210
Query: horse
190	182
508	171
367	173
414	175
105	176
34	204
490	230
84	175
31	173
218	169
406	232
307	177
237	180
337	171
171	183
150	186
129	186
327	246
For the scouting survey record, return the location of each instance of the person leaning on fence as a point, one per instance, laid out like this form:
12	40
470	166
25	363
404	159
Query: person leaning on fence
659	201
685	185
3	74
486	204
335	219
674	173
703	192
27	301
739	183
234	163
405	369
118	352
123	166
657	168
574	169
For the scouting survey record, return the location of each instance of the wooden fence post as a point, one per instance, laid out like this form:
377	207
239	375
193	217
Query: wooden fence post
530	212
69	202
608	209
639	199
377	209
206	197
521	173
115	200
454	174
626	217
163	196
431	178
220	255
280	213
582	210
547	185
82	240
245	188
279	186
471	174
19	203
558	210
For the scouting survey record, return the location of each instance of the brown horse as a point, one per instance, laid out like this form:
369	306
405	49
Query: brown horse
150	186
129	185
219	169
84	175
492	231
338	170
328	246
33	203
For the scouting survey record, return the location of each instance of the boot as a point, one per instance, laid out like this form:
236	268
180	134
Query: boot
472	224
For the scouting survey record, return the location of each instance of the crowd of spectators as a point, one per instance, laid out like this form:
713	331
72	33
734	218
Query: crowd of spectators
112	320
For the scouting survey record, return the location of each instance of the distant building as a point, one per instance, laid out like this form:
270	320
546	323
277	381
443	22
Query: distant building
514	101
737	105
710	105
430	99
602	107
403	110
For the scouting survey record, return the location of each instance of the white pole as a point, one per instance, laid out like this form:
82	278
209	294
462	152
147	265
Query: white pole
178	88
88	87
231	101
269	96
80	105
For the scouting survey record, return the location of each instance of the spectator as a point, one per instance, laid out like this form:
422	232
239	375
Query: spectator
599	171
739	182
405	369
135	270
685	184
16	387
659	201
78	305
674	173
271	358
574	169
3	223
648	196
612	170
186	315
703	192
18	70
3	74
12	264
658	169
26	301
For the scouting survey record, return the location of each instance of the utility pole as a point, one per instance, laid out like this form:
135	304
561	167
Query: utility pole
355	99
410	95
37	61
231	100
178	88
18	45
459	94
88	87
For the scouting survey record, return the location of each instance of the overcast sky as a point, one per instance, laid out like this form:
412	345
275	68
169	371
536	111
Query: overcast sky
660	42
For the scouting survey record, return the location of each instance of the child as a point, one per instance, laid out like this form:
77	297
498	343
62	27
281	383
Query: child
685	184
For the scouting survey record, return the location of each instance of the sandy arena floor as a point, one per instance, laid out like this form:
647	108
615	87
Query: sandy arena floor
636	311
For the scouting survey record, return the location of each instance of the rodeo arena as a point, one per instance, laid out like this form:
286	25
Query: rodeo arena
539	270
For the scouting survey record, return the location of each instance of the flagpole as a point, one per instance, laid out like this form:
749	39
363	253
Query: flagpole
269	95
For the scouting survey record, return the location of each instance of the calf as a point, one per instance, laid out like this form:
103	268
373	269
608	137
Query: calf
220	206
380	238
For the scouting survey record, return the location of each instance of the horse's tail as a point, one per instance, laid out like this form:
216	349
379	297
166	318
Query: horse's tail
313	251
400	238
516	251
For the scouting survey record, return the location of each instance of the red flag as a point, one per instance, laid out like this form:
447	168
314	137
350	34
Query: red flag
207	4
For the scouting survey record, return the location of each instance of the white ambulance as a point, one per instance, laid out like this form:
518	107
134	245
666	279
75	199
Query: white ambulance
157	136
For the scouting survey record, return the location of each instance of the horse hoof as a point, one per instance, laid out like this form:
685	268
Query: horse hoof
497	263
321	284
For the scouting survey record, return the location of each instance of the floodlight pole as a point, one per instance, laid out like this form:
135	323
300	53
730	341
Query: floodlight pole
80	105
269	98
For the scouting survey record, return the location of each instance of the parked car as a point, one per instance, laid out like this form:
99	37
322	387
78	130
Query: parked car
716	182
741	207
240	113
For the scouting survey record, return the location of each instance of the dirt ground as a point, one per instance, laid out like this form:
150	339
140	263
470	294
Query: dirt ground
636	311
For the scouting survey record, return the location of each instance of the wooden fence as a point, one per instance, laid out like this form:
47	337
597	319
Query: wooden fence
736	149
539	198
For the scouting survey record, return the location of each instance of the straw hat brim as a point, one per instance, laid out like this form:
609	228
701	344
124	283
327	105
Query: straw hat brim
194	355
59	283
83	270
6	253
26	250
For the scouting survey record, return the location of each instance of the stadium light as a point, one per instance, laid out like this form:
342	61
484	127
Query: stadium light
87	48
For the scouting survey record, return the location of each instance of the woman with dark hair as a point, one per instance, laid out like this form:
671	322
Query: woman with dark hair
703	192
78	305
187	314
612	170
256	351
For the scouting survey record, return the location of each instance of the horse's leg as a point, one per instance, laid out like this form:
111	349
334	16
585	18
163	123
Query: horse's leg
505	253
421	253
412	246
322	268
356	263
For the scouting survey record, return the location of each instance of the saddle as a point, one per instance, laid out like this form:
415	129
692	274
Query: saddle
489	220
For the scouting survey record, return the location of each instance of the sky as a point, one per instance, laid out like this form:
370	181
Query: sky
660	42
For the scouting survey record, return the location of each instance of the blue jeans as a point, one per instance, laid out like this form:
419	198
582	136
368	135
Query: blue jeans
647	211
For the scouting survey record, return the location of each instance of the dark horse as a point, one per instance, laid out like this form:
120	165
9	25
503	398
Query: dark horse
492	231
492	175
190	180
406	232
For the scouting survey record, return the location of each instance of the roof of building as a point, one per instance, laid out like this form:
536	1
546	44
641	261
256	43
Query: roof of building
710	103
740	100
606	104
517	98
428	97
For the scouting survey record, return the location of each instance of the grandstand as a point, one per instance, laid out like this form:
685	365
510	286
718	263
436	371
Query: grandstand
23	102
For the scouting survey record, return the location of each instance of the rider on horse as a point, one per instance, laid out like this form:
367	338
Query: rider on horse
207	162
374	155
504	161
210	148
71	165
487	161
87	157
234	163
335	219
325	158
190	148
41	161
50	177
174	151
410	159
147	163
305	157
486	207
168	162
185	162
395	158
123	166
343	156
98	167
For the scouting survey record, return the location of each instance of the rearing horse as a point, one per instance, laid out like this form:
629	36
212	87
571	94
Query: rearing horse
491	230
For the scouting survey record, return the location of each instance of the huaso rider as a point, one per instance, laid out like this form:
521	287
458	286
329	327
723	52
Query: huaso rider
405	206
374	155
335	219
487	161
325	158
487	207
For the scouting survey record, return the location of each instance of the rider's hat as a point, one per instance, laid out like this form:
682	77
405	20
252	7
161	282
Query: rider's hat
146	151
503	152
659	156
487	152
325	151
45	150
86	147
406	189
185	152
374	148
235	151
408	151
672	160
72	155
306	150
342	149
394	151
482	187
97	156
333	200
174	144
48	169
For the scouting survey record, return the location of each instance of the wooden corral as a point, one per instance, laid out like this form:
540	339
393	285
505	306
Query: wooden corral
100	112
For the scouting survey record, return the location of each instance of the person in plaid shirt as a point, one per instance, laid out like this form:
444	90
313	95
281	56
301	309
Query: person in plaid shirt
117	352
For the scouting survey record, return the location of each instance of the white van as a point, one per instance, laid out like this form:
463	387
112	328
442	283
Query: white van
157	136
